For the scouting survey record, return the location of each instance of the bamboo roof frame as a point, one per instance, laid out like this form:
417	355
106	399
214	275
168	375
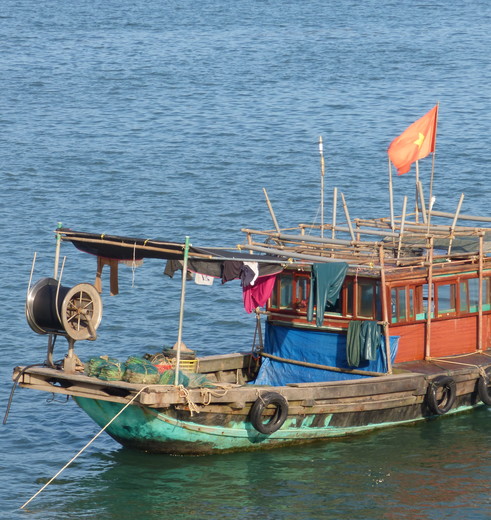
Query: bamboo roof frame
400	238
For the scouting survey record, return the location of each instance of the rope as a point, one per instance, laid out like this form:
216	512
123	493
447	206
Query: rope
184	392
14	386
85	447
260	397
208	393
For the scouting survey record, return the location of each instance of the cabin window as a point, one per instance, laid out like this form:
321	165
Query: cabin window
368	299
274	295
402	300
486	294
411	303
286	293
473	294
336	308
464	296
291	291
469	294
302	293
398	300
348	291
421	303
446	298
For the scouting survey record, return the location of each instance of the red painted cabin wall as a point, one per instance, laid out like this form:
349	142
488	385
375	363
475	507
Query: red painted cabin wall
448	337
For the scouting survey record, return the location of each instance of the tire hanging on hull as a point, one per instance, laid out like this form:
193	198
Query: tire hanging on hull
448	392
277	419
484	387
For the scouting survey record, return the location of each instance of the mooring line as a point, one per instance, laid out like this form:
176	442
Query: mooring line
85	447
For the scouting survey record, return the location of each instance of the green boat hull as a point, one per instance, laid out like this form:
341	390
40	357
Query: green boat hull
154	431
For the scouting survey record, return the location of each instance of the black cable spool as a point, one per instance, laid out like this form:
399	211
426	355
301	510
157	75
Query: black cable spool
44	308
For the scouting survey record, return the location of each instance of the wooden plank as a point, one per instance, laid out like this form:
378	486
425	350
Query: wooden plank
224	362
294	410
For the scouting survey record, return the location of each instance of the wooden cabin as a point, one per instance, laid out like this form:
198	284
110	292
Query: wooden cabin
431	285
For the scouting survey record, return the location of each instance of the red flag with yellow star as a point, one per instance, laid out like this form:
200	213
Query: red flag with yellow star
416	142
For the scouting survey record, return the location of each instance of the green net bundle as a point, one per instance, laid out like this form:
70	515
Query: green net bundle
94	365
186	379
141	371
169	376
112	370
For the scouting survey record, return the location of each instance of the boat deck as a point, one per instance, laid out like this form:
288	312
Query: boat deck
406	376
450	364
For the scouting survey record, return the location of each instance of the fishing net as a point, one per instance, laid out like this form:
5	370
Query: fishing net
112	370
186	379
141	371
149	370
94	365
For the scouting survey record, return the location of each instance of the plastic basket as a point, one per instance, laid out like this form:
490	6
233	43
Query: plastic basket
190	365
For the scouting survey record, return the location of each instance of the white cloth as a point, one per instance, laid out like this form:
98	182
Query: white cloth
203	279
255	268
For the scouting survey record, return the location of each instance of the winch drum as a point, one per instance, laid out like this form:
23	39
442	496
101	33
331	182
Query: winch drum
43	308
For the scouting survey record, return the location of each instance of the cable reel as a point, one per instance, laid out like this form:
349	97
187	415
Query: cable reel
75	313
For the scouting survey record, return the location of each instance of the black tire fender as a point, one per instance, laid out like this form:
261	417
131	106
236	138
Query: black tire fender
484	387
277	419
446	385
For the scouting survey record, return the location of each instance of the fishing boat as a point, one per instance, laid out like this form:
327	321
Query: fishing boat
376	323
388	326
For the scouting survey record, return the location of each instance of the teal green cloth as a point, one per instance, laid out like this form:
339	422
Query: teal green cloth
370	338
353	343
362	342
326	282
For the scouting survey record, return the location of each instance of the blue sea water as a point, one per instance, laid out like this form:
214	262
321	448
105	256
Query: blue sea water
164	119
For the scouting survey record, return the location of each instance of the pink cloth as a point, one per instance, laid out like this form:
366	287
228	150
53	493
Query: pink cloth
258	294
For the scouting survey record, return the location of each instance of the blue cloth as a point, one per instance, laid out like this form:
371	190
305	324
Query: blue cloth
312	346
325	284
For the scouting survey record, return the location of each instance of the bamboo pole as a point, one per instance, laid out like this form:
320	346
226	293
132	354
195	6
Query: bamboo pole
334	211
434	151
385	311
391	197
57	253
430	301
321	151
314	258
461	217
321	367
422	201
181	309
480	296
432	202
270	207
416	209
132	246
402	226
346	212
454	223
303	239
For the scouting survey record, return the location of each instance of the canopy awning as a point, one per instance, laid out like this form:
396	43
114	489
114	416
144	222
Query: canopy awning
205	260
